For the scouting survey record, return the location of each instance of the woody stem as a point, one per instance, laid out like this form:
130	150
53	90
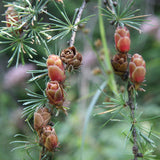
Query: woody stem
78	18
133	128
42	153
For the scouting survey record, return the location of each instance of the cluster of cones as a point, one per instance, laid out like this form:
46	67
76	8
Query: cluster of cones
57	65
69	59
137	68
46	133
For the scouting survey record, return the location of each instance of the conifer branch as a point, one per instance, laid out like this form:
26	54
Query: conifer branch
133	128
78	18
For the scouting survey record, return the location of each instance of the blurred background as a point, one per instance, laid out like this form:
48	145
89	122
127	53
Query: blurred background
105	143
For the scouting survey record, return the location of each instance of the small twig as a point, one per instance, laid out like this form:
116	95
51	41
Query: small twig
78	18
42	153
111	5
134	133
132	108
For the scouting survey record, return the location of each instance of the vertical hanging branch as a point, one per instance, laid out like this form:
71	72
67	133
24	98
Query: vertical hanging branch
120	62
132	108
72	40
133	128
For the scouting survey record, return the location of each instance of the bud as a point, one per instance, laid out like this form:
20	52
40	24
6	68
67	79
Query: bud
137	69
55	68
98	43
55	93
120	64
122	39
96	71
71	58
41	118
49	138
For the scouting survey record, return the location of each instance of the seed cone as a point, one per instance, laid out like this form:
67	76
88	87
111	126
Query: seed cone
13	19
120	64
41	118
55	93
71	58
49	138
55	68
137	69
122	39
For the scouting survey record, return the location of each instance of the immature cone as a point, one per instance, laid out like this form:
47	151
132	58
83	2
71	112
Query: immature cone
71	57
122	39
49	138
120	64
11	17
55	68
41	118
137	69
55	93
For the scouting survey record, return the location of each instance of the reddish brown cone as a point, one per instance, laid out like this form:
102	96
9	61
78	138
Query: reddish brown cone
71	58
11	17
55	68
41	118
120	64
49	138
122	39
55	93
137	69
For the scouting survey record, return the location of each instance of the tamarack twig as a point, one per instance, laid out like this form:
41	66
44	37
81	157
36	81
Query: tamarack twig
78	18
